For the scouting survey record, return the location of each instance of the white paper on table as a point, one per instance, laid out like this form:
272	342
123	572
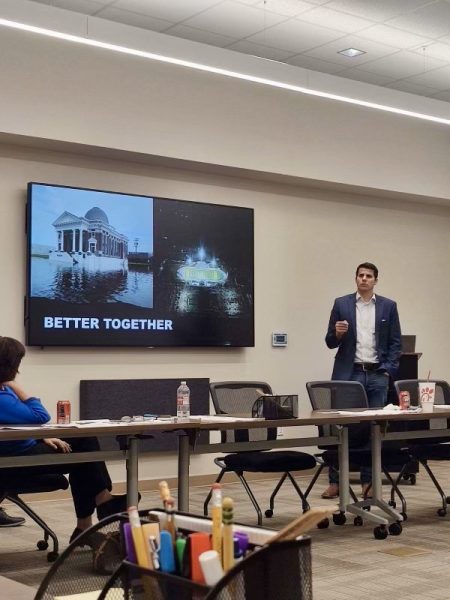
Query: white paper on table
226	418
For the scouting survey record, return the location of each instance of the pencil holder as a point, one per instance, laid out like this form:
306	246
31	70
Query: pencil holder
278	570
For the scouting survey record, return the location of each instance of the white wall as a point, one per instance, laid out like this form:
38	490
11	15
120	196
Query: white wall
307	244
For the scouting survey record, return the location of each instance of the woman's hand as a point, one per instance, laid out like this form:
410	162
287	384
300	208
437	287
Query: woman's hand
57	444
18	390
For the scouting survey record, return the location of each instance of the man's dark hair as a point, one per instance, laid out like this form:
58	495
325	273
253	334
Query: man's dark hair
11	354
367	265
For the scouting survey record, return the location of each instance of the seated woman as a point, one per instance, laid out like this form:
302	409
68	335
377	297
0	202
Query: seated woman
89	482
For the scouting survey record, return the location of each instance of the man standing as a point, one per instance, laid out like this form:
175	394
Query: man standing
366	330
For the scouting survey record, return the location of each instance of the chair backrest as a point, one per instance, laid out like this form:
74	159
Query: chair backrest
442	396
340	395
238	398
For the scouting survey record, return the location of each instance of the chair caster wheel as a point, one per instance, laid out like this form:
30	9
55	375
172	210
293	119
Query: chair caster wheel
52	556
442	512
339	519
380	532
42	545
412	479
323	524
404	515
392	503
269	513
357	521
395	528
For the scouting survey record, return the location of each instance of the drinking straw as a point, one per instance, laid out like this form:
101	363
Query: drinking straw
429	374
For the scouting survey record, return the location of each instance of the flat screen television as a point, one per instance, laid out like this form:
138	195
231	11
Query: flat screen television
113	269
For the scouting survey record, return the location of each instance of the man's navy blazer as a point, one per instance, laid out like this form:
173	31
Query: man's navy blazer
387	335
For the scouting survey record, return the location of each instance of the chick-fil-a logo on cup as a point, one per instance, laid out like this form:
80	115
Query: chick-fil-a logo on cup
426	395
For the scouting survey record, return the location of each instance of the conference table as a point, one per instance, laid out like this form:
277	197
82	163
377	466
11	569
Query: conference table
187	434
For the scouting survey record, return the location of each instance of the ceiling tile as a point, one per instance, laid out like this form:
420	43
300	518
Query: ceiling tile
233	17
372	49
438	78
287	8
295	36
402	64
169	10
85	7
376	10
432	20
198	35
314	64
259	50
335	20
365	76
443	96
435	50
412	88
392	36
134	19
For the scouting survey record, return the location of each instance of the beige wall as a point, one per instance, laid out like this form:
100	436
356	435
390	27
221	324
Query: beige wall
307	245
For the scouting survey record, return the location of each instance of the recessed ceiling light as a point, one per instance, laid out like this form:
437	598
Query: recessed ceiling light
351	52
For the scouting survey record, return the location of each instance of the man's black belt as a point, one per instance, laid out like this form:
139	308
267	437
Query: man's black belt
365	366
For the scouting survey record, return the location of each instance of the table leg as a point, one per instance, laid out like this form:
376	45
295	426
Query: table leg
184	453
377	487
132	472
387	512
344	474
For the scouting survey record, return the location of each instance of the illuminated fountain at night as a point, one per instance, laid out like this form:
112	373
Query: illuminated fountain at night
201	271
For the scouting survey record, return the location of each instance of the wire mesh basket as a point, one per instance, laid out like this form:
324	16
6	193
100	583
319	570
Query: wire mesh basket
278	571
276	407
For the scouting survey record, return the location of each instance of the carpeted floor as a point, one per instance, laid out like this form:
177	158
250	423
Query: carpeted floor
348	563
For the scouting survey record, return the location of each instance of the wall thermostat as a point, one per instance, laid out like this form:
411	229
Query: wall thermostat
279	339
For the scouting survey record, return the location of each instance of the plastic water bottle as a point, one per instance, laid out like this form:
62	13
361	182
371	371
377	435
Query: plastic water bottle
183	402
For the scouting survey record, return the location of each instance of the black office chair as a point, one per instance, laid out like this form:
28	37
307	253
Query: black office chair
238	398
432	448
344	395
12	487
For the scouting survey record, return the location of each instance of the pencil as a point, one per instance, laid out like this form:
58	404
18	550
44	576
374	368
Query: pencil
164	492
143	557
227	534
170	519
216	517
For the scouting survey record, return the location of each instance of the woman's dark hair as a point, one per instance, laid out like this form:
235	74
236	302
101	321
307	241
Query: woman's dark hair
11	354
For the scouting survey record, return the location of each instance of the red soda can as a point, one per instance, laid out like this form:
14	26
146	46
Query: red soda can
404	400
63	412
